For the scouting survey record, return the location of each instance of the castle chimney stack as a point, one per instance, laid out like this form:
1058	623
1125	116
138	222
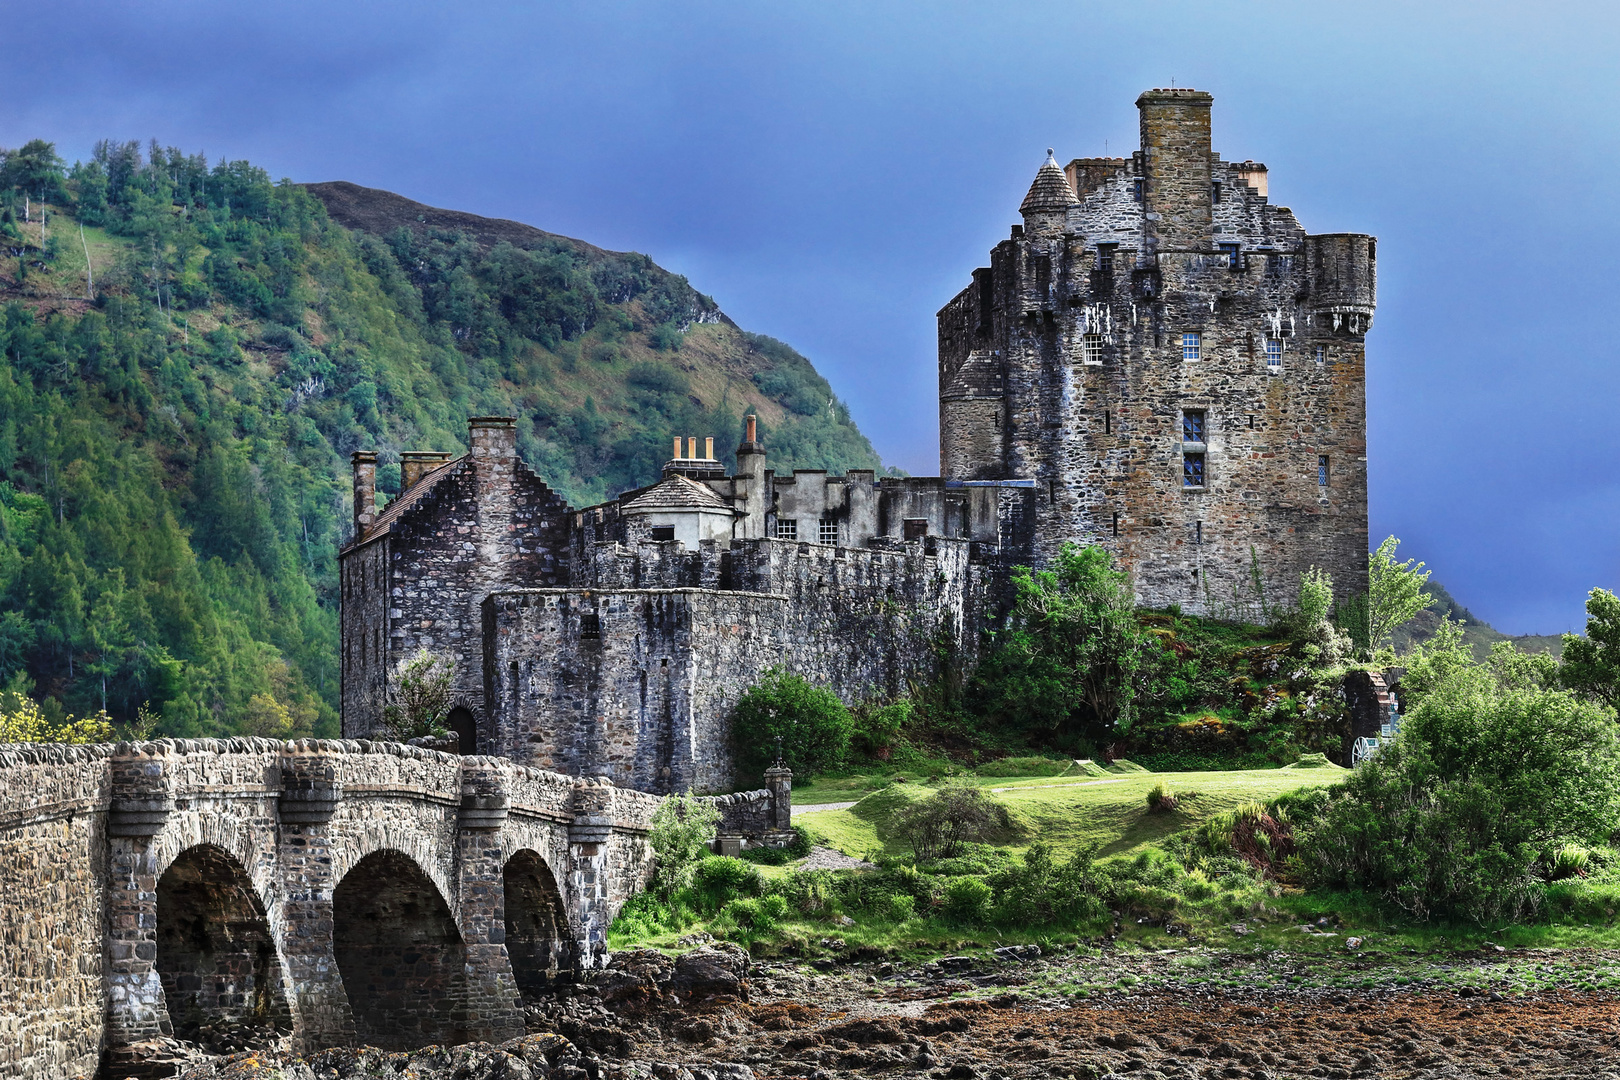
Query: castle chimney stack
415	464
493	440
691	447
1177	205
708	448
677	454
365	491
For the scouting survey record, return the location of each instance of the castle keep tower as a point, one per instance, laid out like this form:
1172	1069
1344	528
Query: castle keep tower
1176	365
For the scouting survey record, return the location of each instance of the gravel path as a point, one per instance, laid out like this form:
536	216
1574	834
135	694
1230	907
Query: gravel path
814	808
825	858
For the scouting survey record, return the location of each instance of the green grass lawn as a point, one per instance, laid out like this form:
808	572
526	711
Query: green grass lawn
1064	811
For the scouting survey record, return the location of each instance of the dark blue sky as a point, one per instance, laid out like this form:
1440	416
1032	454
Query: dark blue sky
832	172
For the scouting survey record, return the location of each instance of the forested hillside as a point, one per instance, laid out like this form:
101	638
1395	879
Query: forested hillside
189	353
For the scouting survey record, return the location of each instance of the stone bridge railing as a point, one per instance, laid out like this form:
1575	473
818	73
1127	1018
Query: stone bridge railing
345	891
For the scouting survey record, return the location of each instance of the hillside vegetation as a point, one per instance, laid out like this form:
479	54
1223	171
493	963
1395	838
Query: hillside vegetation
188	353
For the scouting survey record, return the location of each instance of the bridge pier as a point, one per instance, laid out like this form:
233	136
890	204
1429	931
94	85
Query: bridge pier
310	792
494	1008
137	1016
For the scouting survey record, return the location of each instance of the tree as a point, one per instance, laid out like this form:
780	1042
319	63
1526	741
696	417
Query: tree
940	826
811	725
1076	645
1591	664
1394	591
679	833
422	690
22	720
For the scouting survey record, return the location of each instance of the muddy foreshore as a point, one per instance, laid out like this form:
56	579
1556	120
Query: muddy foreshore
714	1014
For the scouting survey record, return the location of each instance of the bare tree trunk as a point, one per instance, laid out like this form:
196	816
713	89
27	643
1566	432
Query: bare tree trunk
89	271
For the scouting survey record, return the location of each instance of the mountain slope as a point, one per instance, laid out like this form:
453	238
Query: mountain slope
1480	635
189	353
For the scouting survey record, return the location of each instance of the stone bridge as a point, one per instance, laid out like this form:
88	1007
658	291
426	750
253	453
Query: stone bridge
346	892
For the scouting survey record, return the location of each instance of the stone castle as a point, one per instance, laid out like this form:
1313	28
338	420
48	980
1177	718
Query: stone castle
1157	360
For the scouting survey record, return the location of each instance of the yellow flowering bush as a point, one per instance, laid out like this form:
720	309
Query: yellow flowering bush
21	720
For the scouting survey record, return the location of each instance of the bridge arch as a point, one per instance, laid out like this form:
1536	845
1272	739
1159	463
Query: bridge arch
399	953
216	956
539	933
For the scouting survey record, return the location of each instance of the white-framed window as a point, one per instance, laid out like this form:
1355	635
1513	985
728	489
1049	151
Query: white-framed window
1273	355
1092	348
827	531
787	529
1321	354
1192	346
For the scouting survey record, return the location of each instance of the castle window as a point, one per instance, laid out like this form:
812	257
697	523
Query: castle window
1278	265
1193	426
787	529
590	626
1192	471
661	533
1321	354
1093	348
1234	256
1198	533
1105	258
916	528
1192	346
1321	470
1274	355
1215	191
1108	422
1043	276
1136	192
827	533
1116	523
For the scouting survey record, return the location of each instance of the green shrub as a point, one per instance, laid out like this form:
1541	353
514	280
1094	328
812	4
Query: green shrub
719	880
679	834
878	727
1570	860
939	826
967	900
813	726
901	907
755	916
666	337
812	893
1454	816
1042	892
1160	799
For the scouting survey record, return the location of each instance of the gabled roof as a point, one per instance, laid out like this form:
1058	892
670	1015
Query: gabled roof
677	493
396	509
1050	191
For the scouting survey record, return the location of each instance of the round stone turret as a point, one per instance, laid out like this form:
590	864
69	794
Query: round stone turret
1046	207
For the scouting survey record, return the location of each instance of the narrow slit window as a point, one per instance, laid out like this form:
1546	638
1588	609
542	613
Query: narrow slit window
1198	532
827	531
1193	426
1108	422
1215	191
1192	346
1274	349
1192	471
1093	348
1136	192
1321	470
590	626
787	529
1116	523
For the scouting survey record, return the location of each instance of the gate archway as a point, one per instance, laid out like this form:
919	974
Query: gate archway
216	959
400	955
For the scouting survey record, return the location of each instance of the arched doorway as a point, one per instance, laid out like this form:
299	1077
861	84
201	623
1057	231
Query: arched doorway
461	722
538	941
217	962
400	955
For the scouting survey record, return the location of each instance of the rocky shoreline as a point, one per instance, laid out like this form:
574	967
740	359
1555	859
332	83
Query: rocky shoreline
715	1014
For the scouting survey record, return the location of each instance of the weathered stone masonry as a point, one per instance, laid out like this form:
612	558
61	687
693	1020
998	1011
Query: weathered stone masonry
149	888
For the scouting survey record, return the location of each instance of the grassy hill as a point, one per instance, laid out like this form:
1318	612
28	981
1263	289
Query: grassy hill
189	353
1477	633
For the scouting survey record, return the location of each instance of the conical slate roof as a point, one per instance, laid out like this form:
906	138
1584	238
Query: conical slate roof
1050	191
677	493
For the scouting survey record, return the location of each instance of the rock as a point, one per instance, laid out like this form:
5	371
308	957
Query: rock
633	978
866	1032
1018	954
955	964
711	972
1352	943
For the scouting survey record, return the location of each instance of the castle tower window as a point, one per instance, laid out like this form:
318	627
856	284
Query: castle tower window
1192	346
1274	355
916	528
1198	534
1321	354
590	626
1136	192
1215	191
662	533
1234	256
827	532
1116	523
1108	422
1192	471
787	529
1194	426
1092	348
1105	258
1321	470
1043	276
1279	265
